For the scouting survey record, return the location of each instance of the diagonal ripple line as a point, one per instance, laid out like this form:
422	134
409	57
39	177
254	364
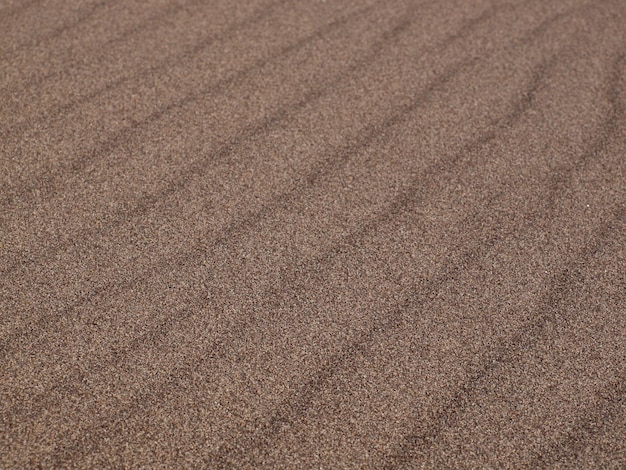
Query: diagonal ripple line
591	422
332	162
321	291
464	64
586	426
237	226
91	10
224	238
171	381
57	112
49	183
509	119
152	22
506	349
148	201
505	352
297	404
120	137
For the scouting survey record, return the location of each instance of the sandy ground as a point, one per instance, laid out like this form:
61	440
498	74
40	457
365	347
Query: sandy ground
313	234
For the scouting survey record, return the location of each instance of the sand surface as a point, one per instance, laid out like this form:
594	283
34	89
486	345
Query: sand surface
313	234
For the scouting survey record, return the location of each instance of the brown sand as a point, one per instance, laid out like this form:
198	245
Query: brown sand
321	234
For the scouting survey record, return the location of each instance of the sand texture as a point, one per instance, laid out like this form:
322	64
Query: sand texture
313	234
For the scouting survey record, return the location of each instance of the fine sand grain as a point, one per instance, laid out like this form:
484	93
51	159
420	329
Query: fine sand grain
313	234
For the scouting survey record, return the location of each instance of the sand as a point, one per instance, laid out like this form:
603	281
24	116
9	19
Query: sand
322	234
